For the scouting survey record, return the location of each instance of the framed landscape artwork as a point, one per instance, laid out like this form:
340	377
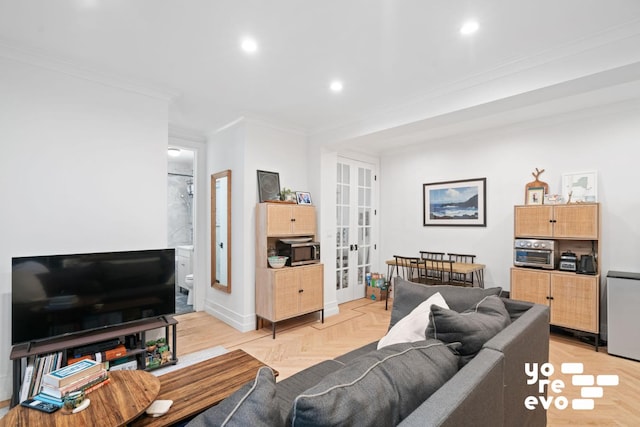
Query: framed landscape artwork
455	203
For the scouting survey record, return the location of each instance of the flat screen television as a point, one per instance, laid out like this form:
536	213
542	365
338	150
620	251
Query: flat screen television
58	295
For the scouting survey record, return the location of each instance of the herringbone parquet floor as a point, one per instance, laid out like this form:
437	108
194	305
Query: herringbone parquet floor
303	342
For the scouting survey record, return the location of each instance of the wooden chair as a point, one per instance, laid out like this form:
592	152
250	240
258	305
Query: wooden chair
462	279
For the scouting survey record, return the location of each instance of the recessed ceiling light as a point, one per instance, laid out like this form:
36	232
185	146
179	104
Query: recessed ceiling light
469	27
173	152
249	45
336	86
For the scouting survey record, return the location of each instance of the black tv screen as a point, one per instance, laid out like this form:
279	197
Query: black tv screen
66	294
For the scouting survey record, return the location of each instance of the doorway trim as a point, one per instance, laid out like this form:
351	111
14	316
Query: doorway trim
192	141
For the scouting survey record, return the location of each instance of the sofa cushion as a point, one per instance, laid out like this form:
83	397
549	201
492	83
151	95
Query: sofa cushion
408	295
377	389
253	404
412	326
471	328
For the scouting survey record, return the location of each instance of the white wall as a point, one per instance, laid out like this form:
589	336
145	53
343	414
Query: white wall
83	169
604	140
245	147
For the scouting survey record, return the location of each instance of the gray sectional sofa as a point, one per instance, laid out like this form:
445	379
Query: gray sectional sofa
469	371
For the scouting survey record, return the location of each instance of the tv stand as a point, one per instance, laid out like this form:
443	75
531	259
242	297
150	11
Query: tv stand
21	352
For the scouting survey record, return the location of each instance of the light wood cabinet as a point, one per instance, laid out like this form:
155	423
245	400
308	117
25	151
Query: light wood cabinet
289	292
572	298
285	292
578	221
290	220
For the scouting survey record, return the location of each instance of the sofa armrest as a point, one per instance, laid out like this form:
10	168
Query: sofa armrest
526	340
473	397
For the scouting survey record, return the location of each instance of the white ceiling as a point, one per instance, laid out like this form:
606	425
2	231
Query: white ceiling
404	64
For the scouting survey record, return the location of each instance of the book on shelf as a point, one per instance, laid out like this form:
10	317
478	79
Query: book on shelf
128	365
102	356
42	365
81	384
71	373
27	380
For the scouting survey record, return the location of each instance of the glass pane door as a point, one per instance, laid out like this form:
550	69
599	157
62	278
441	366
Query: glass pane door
355	228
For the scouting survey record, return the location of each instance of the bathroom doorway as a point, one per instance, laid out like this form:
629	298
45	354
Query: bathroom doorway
180	220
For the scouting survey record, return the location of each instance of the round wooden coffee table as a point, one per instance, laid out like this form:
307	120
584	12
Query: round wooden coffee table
126	396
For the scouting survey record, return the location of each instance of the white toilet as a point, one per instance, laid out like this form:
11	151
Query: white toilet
188	285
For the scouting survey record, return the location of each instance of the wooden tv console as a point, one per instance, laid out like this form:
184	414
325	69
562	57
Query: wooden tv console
20	352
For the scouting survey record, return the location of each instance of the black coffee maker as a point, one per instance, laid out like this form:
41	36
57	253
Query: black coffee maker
587	265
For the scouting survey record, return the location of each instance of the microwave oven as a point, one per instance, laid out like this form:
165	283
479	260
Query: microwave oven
299	253
535	253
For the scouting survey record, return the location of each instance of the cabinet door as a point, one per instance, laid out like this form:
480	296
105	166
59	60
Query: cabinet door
533	221
279	219
576	221
311	285
304	220
285	293
530	285
575	301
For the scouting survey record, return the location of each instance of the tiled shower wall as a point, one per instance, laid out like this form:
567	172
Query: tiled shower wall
180	208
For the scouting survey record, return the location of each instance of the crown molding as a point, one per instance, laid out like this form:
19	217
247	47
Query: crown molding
39	58
564	63
188	134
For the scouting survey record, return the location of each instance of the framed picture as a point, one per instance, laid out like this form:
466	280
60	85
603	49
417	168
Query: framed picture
535	195
581	186
455	203
303	198
268	186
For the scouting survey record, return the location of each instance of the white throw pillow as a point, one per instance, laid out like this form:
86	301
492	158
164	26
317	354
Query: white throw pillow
412	327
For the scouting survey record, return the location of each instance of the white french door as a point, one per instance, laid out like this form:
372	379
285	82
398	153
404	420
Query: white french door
355	227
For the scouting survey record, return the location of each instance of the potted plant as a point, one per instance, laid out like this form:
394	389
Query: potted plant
287	194
151	346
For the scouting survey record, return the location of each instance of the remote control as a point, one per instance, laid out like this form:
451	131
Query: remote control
40	405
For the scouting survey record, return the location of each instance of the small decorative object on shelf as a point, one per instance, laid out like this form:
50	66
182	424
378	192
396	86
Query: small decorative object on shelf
72	400
158	353
303	197
552	199
535	186
287	195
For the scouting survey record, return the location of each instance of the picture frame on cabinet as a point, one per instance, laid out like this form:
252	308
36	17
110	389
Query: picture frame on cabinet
455	203
268	186
535	195
579	187
303	197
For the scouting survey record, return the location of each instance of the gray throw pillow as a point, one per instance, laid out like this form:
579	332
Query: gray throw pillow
408	295
471	328
254	404
377	389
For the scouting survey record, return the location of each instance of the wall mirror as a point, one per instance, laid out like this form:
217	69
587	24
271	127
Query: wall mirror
221	231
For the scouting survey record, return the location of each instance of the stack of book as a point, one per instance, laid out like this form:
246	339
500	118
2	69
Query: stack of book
85	375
